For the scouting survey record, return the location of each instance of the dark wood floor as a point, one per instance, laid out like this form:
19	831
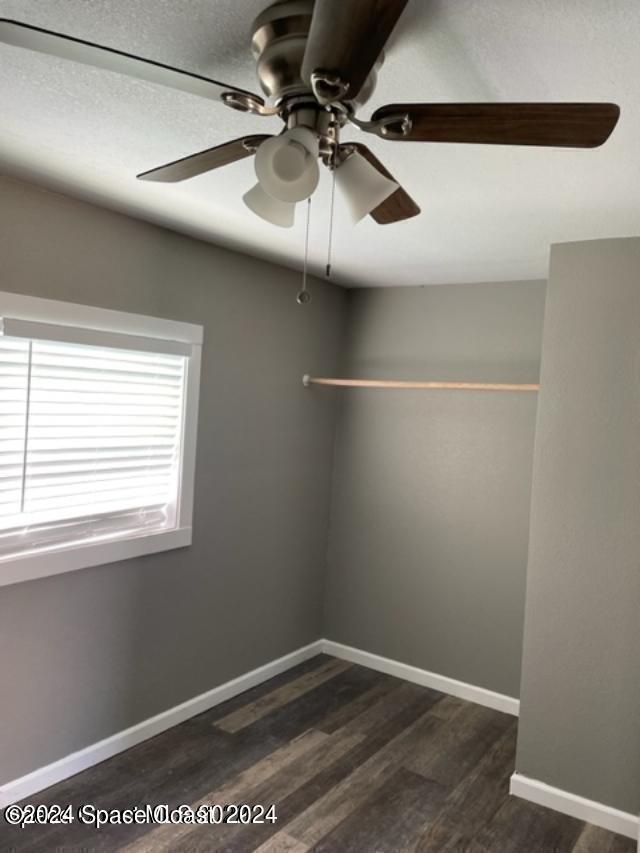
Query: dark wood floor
354	761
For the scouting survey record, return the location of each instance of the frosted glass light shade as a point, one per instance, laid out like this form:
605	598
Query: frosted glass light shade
287	165
363	187
271	209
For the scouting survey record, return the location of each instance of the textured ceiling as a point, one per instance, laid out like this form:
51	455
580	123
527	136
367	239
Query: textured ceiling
489	213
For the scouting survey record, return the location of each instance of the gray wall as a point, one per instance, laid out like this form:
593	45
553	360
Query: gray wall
580	716
89	653
430	510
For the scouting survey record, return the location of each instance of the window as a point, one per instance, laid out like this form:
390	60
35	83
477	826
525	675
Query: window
97	427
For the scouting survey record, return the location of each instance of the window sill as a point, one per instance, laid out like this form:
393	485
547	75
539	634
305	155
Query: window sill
82	556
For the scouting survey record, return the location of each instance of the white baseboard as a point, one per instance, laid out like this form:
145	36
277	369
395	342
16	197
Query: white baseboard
68	766
590	811
479	695
537	792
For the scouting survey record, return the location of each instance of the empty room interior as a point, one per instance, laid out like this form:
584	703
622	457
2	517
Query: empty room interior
320	426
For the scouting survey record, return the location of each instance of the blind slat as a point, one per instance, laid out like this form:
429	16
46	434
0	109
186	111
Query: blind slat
102	439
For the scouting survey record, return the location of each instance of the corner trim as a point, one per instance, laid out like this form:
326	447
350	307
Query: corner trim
479	695
573	805
74	763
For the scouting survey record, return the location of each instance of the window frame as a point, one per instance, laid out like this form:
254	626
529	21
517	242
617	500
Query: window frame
70	557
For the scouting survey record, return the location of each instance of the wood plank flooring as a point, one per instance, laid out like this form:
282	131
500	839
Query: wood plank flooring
354	761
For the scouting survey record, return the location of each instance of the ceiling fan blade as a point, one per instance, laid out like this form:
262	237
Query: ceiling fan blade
399	205
346	39
561	125
205	161
66	47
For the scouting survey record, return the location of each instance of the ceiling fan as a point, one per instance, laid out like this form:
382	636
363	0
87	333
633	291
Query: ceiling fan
317	63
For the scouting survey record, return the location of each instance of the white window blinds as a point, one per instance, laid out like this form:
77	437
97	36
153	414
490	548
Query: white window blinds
90	440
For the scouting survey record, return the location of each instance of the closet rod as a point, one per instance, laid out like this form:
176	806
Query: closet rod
414	384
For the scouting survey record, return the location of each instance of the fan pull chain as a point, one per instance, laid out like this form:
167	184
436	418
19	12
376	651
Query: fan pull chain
304	296
331	210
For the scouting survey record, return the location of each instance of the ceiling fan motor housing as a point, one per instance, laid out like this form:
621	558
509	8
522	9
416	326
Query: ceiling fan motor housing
324	123
317	64
279	41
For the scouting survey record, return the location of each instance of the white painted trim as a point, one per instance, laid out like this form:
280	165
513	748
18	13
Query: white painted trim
190	409
23	312
68	558
68	766
32	330
479	695
590	811
529	789
521	786
36	309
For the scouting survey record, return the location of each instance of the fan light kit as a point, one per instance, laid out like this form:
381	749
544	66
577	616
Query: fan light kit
317	64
